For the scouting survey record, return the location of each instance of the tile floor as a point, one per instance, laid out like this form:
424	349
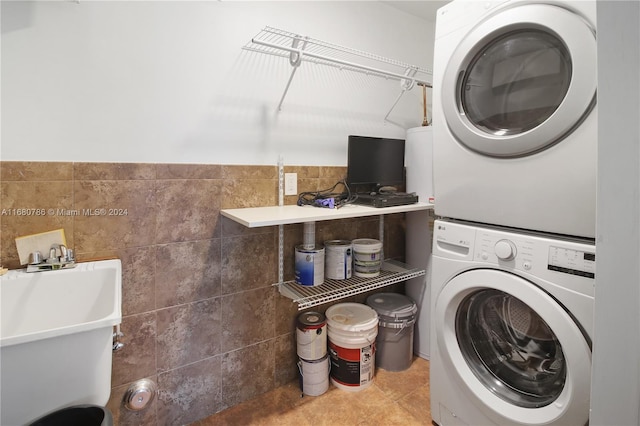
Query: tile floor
400	398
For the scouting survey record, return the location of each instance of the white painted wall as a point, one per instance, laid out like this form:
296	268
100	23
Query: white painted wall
615	394
167	81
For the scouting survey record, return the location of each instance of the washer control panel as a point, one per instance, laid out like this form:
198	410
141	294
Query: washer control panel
515	251
574	262
535	253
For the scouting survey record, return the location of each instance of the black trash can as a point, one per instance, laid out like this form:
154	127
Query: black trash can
77	415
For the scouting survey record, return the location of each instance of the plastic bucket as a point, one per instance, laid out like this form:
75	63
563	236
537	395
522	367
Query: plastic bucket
338	259
394	343
367	257
314	376
311	336
352	329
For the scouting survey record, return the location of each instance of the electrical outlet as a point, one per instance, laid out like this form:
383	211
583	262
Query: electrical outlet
290	184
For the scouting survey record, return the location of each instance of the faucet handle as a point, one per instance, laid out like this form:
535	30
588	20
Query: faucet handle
35	258
53	255
63	252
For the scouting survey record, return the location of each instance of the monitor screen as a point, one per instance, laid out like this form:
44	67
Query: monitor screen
374	163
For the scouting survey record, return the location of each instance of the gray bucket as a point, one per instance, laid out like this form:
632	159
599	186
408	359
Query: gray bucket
394	343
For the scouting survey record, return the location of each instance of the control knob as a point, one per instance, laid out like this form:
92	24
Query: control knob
505	250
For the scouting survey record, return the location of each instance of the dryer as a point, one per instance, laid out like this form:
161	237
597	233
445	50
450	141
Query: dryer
512	321
515	116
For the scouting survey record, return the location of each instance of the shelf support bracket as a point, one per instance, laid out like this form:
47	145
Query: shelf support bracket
280	227
295	59
405	84
381	234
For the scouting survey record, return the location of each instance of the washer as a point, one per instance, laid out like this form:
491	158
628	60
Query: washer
515	117
512	320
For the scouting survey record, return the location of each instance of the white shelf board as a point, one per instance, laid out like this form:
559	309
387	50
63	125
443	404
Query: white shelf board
255	217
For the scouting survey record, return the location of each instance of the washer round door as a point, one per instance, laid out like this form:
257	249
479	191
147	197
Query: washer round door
521	80
514	348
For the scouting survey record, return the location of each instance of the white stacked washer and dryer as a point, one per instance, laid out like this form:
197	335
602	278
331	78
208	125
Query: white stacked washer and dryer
513	257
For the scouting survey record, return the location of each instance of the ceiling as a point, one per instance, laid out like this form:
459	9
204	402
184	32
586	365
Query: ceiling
425	9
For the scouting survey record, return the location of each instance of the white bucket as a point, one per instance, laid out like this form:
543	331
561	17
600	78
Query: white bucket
311	336
352	330
309	266
314	376
367	257
338	259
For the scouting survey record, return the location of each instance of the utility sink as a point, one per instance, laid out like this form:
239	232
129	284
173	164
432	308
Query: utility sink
56	338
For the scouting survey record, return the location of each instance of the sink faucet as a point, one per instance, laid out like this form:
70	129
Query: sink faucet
66	255
53	262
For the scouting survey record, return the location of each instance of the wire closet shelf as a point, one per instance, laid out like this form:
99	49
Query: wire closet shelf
392	272
298	48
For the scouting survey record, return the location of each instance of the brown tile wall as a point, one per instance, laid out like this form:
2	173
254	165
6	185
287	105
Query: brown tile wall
201	316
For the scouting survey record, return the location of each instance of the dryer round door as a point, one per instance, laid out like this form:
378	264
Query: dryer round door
521	80
517	351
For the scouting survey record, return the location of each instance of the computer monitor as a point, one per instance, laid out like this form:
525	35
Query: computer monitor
374	163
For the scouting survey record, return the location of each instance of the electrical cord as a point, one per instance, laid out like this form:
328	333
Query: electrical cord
327	198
